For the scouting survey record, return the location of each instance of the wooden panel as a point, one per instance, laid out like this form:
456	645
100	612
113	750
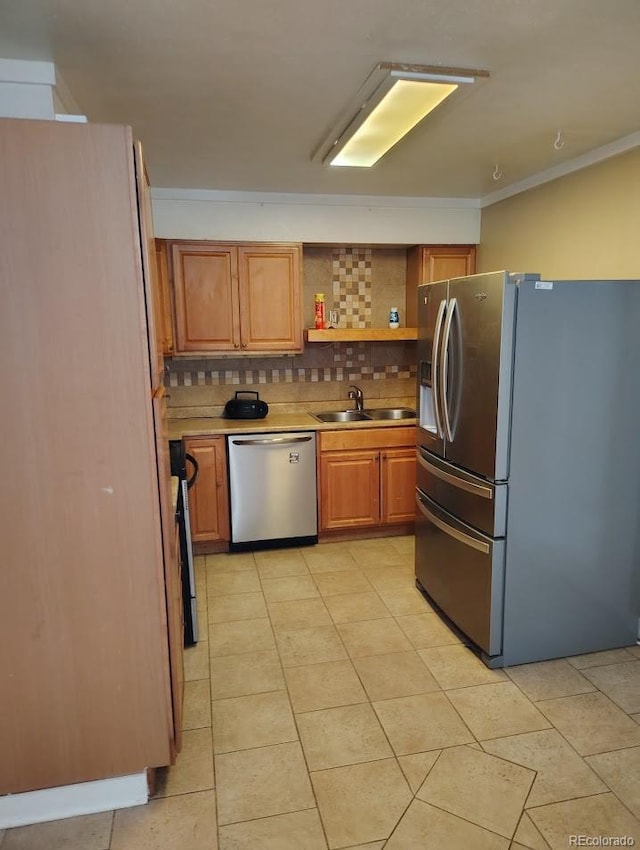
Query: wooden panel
361	335
208	498
206	297
175	612
82	610
149	268
164	325
349	489
426	263
270	302
367	438
223	532
171	578
398	485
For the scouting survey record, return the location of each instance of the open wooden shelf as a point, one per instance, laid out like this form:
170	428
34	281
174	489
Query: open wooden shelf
361	335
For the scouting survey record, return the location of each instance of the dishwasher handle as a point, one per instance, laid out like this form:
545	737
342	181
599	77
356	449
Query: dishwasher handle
270	441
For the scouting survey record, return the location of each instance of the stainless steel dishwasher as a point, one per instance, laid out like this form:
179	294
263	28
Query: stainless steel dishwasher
272	485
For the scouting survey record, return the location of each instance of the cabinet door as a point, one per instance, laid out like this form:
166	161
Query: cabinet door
427	263
208	498
206	297
270	302
349	489
446	261
164	322
398	485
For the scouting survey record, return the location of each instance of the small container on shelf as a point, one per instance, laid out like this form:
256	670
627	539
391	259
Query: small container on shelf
394	318
319	308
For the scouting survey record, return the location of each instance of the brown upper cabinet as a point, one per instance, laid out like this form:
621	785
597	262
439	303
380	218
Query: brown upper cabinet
242	298
427	263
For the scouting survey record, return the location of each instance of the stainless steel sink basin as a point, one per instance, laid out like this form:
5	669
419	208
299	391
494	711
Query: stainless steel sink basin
341	416
390	413
365	415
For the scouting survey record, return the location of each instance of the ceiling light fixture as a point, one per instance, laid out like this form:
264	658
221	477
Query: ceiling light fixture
392	101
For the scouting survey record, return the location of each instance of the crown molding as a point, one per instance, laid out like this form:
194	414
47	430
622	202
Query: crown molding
295	199
622	145
626	143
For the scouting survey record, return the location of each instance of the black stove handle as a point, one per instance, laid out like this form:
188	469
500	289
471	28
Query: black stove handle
191	480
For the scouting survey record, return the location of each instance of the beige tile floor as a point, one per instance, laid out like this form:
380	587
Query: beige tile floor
327	706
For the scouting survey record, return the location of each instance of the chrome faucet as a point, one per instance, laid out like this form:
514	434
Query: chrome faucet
356	394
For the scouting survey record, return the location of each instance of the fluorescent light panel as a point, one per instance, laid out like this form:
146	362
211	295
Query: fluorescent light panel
401	101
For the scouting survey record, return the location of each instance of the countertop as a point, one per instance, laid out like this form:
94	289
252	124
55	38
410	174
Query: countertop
274	423
175	486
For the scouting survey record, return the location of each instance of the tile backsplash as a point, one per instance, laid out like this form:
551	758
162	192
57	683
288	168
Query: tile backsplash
321	375
361	284
352	276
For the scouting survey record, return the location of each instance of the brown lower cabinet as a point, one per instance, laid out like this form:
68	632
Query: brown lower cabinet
208	498
367	478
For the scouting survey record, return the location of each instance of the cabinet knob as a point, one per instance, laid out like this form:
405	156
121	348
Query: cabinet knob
244	345
236	345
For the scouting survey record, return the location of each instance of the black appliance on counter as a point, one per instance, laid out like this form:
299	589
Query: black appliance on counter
245	408
180	458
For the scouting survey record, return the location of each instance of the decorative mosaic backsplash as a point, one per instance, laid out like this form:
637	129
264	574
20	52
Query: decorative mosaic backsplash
350	363
352	286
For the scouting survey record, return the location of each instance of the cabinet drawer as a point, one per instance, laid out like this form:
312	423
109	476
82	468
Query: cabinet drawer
367	438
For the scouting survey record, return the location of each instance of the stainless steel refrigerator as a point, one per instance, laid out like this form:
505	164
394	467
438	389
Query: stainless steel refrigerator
528	530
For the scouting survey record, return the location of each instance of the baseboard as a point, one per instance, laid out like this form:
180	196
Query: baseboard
68	801
347	534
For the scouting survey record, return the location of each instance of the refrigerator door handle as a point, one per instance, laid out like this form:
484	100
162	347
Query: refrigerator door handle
453	304
460	536
435	353
461	483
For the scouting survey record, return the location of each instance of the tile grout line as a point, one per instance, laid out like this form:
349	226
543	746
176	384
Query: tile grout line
111	828
213	754
293	714
368	702
569	744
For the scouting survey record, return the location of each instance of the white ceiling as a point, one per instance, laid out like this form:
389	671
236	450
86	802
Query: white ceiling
237	94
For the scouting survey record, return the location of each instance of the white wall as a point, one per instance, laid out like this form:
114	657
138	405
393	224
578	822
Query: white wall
26	89
324	219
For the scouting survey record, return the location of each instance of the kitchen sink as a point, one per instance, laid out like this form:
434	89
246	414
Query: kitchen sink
390	413
365	415
341	416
